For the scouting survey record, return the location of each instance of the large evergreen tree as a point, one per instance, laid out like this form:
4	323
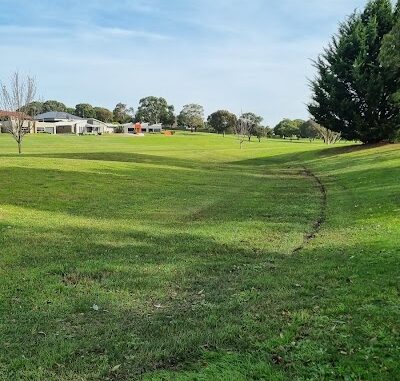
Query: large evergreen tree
352	90
390	55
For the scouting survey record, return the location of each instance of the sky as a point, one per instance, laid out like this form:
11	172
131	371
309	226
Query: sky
239	55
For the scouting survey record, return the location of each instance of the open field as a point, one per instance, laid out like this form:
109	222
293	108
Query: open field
185	258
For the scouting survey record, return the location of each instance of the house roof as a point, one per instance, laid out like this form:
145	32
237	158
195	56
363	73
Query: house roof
57	115
13	114
95	122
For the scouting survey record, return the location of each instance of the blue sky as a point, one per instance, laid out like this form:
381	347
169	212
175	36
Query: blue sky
251	55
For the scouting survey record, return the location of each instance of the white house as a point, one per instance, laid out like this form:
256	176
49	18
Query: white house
55	122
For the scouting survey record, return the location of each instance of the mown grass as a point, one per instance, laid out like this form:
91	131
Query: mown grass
172	259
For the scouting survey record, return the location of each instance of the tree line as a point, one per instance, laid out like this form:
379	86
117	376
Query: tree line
121	113
155	110
152	110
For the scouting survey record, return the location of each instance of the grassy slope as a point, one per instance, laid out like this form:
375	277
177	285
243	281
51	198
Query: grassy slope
185	244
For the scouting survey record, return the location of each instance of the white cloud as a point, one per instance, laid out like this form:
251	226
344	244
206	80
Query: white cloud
219	53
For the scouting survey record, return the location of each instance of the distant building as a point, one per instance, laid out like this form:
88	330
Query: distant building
95	126
7	118
55	122
135	128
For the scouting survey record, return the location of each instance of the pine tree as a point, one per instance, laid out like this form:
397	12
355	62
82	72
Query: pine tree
390	55
352	90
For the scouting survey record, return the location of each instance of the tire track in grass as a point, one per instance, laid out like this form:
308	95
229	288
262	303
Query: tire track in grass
317	225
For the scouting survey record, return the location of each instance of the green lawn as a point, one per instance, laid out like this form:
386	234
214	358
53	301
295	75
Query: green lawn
186	258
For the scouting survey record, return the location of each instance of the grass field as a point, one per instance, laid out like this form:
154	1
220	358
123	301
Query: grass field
186	258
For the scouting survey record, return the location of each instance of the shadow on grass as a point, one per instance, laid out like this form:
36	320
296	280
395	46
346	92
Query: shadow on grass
121	157
168	299
155	293
327	159
127	194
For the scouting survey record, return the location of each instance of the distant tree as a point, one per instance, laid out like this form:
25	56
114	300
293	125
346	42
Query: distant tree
352	90
222	121
122	114
18	96
52	105
168	118
103	114
154	110
70	110
192	116
268	132
253	121
307	130
327	135
261	132
288	128
85	110
242	129
33	108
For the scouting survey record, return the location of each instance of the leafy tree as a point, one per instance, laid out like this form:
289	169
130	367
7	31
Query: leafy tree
352	90
222	121
122	114
268	132
52	105
307	130
85	110
288	128
103	114
260	132
154	110
33	108
192	116
70	110
168	118
253	121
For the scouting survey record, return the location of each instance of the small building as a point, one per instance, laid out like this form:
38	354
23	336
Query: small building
95	126
151	128
140	128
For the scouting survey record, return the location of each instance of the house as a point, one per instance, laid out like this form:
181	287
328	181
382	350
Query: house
7	118
55	122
